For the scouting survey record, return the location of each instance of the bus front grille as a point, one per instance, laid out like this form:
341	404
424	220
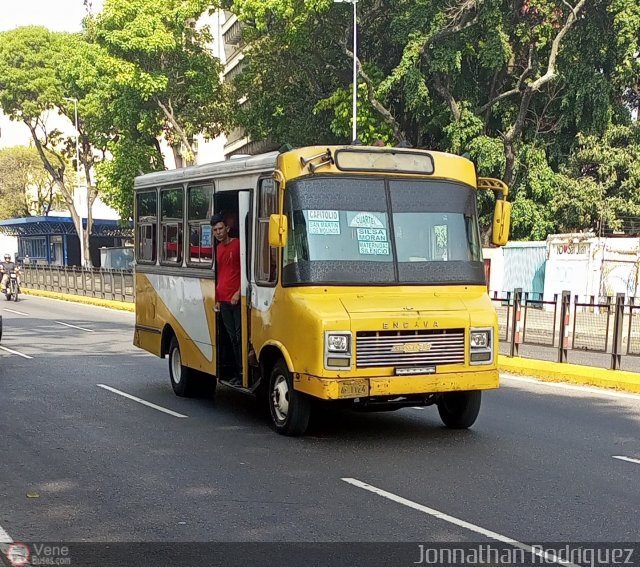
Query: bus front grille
409	348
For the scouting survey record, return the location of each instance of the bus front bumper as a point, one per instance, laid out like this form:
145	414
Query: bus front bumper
344	388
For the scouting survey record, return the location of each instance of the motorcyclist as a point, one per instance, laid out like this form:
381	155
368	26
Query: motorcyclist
6	268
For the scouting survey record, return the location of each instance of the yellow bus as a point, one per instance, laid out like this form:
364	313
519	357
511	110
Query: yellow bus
362	279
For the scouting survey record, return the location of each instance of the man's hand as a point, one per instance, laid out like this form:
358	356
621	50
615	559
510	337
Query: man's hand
235	298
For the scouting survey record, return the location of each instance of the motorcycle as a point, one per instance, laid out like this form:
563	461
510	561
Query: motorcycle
12	287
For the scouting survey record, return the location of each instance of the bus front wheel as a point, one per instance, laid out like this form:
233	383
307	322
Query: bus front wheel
290	410
182	377
459	410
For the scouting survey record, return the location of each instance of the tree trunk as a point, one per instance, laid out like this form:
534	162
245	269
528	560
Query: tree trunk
57	174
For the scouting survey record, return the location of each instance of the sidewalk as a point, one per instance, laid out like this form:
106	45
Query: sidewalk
536	361
121	305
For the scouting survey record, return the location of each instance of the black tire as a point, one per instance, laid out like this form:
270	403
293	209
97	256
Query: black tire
183	379
290	410
459	410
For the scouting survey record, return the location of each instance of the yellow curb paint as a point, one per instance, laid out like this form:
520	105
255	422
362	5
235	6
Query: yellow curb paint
575	373
121	305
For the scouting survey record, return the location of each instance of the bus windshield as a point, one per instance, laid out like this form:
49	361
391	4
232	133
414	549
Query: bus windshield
357	230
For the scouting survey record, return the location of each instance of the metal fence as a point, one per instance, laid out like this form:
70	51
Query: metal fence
117	285
633	334
539	321
602	325
608	325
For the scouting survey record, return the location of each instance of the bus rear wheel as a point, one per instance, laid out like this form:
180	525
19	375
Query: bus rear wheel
290	410
459	410
182	377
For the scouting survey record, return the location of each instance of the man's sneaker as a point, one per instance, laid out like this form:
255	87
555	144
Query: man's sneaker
236	381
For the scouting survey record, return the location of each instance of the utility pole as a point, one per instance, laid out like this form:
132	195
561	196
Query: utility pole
354	117
81	233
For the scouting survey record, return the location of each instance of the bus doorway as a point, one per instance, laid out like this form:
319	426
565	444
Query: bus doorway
232	329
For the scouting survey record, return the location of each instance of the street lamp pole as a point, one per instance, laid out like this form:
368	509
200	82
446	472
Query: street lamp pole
81	236
354	117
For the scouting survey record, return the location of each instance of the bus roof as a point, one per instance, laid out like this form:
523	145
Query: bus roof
233	166
311	159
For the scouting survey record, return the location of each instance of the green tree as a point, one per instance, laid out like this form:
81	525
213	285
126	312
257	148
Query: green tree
172	86
513	83
117	135
31	89
600	185
26	188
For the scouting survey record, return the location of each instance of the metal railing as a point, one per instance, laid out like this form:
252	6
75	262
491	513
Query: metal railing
594	324
608	325
117	285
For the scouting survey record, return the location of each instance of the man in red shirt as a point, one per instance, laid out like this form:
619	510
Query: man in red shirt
228	288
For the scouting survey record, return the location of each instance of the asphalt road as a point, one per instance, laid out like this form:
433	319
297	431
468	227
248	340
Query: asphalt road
80	462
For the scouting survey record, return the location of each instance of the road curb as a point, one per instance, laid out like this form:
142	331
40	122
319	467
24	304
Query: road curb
121	305
575	373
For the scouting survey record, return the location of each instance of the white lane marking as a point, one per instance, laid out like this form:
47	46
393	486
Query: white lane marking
575	387
16	312
4	536
549	557
628	459
16	352
141	401
74	326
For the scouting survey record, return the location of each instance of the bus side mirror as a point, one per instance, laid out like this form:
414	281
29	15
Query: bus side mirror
278	231
501	222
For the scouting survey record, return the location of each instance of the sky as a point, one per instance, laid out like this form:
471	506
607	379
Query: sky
57	15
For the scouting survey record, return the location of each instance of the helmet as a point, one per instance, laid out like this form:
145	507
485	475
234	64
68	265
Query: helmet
7	257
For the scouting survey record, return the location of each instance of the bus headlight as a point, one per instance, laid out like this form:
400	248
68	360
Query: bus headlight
337	350
481	346
479	339
337	343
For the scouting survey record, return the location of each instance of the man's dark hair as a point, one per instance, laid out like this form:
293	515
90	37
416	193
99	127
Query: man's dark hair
215	219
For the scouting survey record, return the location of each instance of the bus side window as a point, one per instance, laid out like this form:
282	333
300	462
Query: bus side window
266	256
172	201
199	204
147	222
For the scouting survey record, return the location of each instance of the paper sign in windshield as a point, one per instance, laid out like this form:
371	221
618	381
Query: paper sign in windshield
373	248
324	227
366	220
372	234
320	215
323	221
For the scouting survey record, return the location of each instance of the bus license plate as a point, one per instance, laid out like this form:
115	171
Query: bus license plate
354	389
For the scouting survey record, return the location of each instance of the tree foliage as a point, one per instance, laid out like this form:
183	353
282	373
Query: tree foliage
25	186
30	90
537	92
524	87
173	79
